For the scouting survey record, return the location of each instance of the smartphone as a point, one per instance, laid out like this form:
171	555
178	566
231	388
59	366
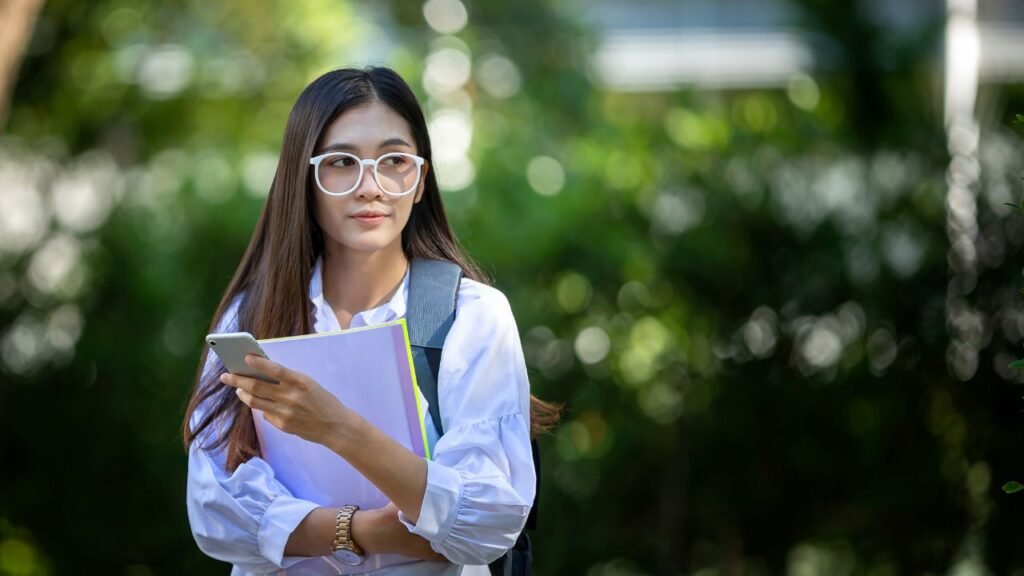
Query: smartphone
232	347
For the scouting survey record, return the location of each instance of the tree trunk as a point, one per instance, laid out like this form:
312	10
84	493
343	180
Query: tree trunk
17	20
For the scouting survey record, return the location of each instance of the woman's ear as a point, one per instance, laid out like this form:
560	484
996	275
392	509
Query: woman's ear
423	183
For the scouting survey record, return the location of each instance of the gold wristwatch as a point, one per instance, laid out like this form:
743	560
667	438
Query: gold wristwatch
345	548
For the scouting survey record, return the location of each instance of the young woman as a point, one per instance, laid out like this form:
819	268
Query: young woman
353	201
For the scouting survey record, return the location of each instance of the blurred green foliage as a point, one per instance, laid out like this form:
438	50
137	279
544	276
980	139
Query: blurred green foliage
739	296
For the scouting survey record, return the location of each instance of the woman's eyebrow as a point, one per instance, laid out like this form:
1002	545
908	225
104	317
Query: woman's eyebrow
394	142
346	147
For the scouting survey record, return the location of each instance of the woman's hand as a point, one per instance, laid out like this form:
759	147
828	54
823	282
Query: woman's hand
297	404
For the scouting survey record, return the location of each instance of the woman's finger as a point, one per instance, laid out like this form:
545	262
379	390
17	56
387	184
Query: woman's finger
274	370
257	388
254	402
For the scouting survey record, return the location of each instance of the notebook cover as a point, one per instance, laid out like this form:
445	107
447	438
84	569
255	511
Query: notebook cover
370	370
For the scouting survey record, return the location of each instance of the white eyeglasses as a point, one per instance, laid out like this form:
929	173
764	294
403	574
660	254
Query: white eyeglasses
340	173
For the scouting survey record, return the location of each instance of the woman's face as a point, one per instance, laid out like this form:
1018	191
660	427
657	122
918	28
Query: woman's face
366	220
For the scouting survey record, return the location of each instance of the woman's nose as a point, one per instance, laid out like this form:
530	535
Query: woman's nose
368	187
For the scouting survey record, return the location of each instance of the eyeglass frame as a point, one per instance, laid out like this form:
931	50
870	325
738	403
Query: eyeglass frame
316	160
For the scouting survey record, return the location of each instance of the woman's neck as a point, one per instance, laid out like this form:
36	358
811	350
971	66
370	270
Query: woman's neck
357	281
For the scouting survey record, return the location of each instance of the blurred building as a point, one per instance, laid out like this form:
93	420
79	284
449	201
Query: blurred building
658	45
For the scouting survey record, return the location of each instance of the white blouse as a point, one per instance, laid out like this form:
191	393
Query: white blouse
480	483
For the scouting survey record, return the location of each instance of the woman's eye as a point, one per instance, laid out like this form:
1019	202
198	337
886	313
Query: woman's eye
343	162
395	161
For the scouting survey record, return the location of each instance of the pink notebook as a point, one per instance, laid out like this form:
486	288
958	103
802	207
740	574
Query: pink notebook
370	370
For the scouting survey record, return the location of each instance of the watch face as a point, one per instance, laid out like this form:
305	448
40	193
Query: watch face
348	557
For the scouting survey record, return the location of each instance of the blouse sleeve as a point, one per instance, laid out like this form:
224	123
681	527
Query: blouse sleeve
243	517
481	482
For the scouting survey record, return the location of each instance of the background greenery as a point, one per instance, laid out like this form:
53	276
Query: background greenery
741	297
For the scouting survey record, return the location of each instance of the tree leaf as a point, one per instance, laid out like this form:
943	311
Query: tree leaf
1019	119
1017	364
1013	486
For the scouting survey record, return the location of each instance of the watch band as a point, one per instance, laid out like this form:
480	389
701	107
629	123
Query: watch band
343	531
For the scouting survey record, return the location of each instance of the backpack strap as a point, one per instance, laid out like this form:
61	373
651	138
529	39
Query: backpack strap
433	288
430	313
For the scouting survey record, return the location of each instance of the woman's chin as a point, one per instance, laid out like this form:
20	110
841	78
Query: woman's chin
367	243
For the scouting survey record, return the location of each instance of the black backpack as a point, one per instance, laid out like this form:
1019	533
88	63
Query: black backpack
433	287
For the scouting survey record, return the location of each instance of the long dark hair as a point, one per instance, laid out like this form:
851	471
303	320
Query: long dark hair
272	280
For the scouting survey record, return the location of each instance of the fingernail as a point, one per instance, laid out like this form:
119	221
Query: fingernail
224	378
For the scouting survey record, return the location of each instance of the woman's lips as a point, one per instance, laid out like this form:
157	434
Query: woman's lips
369	218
